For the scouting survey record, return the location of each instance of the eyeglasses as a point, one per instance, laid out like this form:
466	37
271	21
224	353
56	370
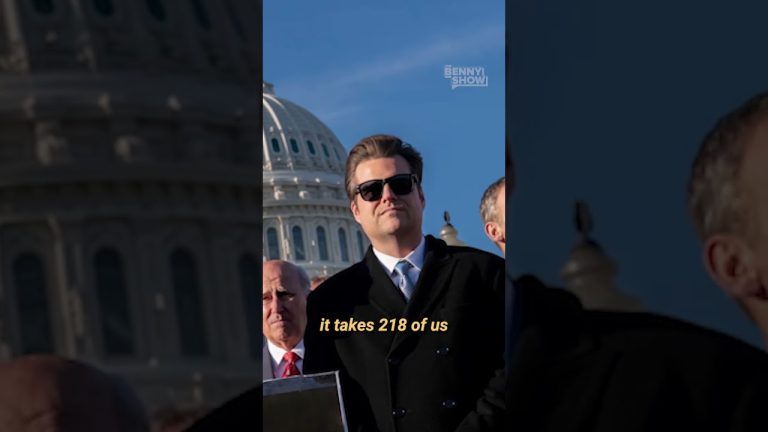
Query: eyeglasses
401	184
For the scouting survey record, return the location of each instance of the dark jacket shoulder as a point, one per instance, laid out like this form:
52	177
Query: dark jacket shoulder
576	369
635	332
342	285
560	311
241	413
347	282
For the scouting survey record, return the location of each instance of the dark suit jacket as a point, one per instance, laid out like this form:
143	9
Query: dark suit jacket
240	414
571	370
576	370
421	381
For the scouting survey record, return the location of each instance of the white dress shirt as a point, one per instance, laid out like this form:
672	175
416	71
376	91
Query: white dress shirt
279	364
415	257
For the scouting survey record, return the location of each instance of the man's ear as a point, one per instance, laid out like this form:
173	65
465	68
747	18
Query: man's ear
494	232
354	209
731	263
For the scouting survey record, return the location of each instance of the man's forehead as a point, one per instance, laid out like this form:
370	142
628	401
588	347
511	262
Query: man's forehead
370	167
281	279
277	269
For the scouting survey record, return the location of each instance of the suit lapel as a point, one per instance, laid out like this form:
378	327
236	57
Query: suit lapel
383	295
433	281
266	364
553	356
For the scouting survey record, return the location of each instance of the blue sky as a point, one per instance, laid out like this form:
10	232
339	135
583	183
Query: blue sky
609	104
377	67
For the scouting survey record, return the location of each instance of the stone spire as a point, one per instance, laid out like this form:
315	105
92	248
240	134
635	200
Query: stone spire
448	233
590	273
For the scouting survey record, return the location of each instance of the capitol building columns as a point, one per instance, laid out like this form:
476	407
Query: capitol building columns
306	209
130	205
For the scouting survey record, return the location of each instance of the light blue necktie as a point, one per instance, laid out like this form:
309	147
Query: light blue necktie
406	286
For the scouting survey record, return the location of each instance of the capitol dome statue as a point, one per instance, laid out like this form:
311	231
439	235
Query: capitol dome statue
590	274
306	210
129	196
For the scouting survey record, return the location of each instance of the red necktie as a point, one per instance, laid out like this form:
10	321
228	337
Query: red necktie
291	369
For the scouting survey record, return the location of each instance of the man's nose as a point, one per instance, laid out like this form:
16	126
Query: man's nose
387	194
274	304
279	305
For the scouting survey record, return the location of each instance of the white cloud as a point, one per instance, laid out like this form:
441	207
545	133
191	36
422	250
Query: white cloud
330	93
450	48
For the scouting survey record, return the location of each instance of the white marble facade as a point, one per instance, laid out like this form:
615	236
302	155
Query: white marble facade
306	210
130	201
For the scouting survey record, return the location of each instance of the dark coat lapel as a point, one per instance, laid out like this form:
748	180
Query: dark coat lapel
433	281
555	347
383	294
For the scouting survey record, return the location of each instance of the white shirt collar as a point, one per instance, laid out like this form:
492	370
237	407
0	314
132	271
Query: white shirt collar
415	257
277	353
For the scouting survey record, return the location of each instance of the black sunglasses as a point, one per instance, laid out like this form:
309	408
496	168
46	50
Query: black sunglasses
401	184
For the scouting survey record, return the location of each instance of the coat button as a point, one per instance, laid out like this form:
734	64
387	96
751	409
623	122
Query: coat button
398	412
449	403
443	351
393	360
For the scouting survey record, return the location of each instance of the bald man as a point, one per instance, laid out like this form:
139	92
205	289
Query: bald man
728	200
493	213
573	370
43	393
285	287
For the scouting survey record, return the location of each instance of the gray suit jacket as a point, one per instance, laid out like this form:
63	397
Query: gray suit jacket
266	364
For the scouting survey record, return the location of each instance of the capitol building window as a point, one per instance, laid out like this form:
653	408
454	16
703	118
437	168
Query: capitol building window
116	324
322	244
307	188
32	304
189	306
298	244
130	229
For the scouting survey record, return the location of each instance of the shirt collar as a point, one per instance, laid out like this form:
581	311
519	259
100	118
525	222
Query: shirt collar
277	353
415	257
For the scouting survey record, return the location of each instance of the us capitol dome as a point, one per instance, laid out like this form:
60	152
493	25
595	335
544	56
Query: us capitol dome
307	219
129	191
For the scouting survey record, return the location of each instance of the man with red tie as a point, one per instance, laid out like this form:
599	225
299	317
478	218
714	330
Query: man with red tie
284	300
285	287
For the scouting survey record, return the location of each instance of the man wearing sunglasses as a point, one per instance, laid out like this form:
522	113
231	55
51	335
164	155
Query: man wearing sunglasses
436	312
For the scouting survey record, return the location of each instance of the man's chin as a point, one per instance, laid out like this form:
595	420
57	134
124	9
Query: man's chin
282	338
396	226
281	328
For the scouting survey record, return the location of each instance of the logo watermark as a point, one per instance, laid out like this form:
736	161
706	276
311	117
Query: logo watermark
466	76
